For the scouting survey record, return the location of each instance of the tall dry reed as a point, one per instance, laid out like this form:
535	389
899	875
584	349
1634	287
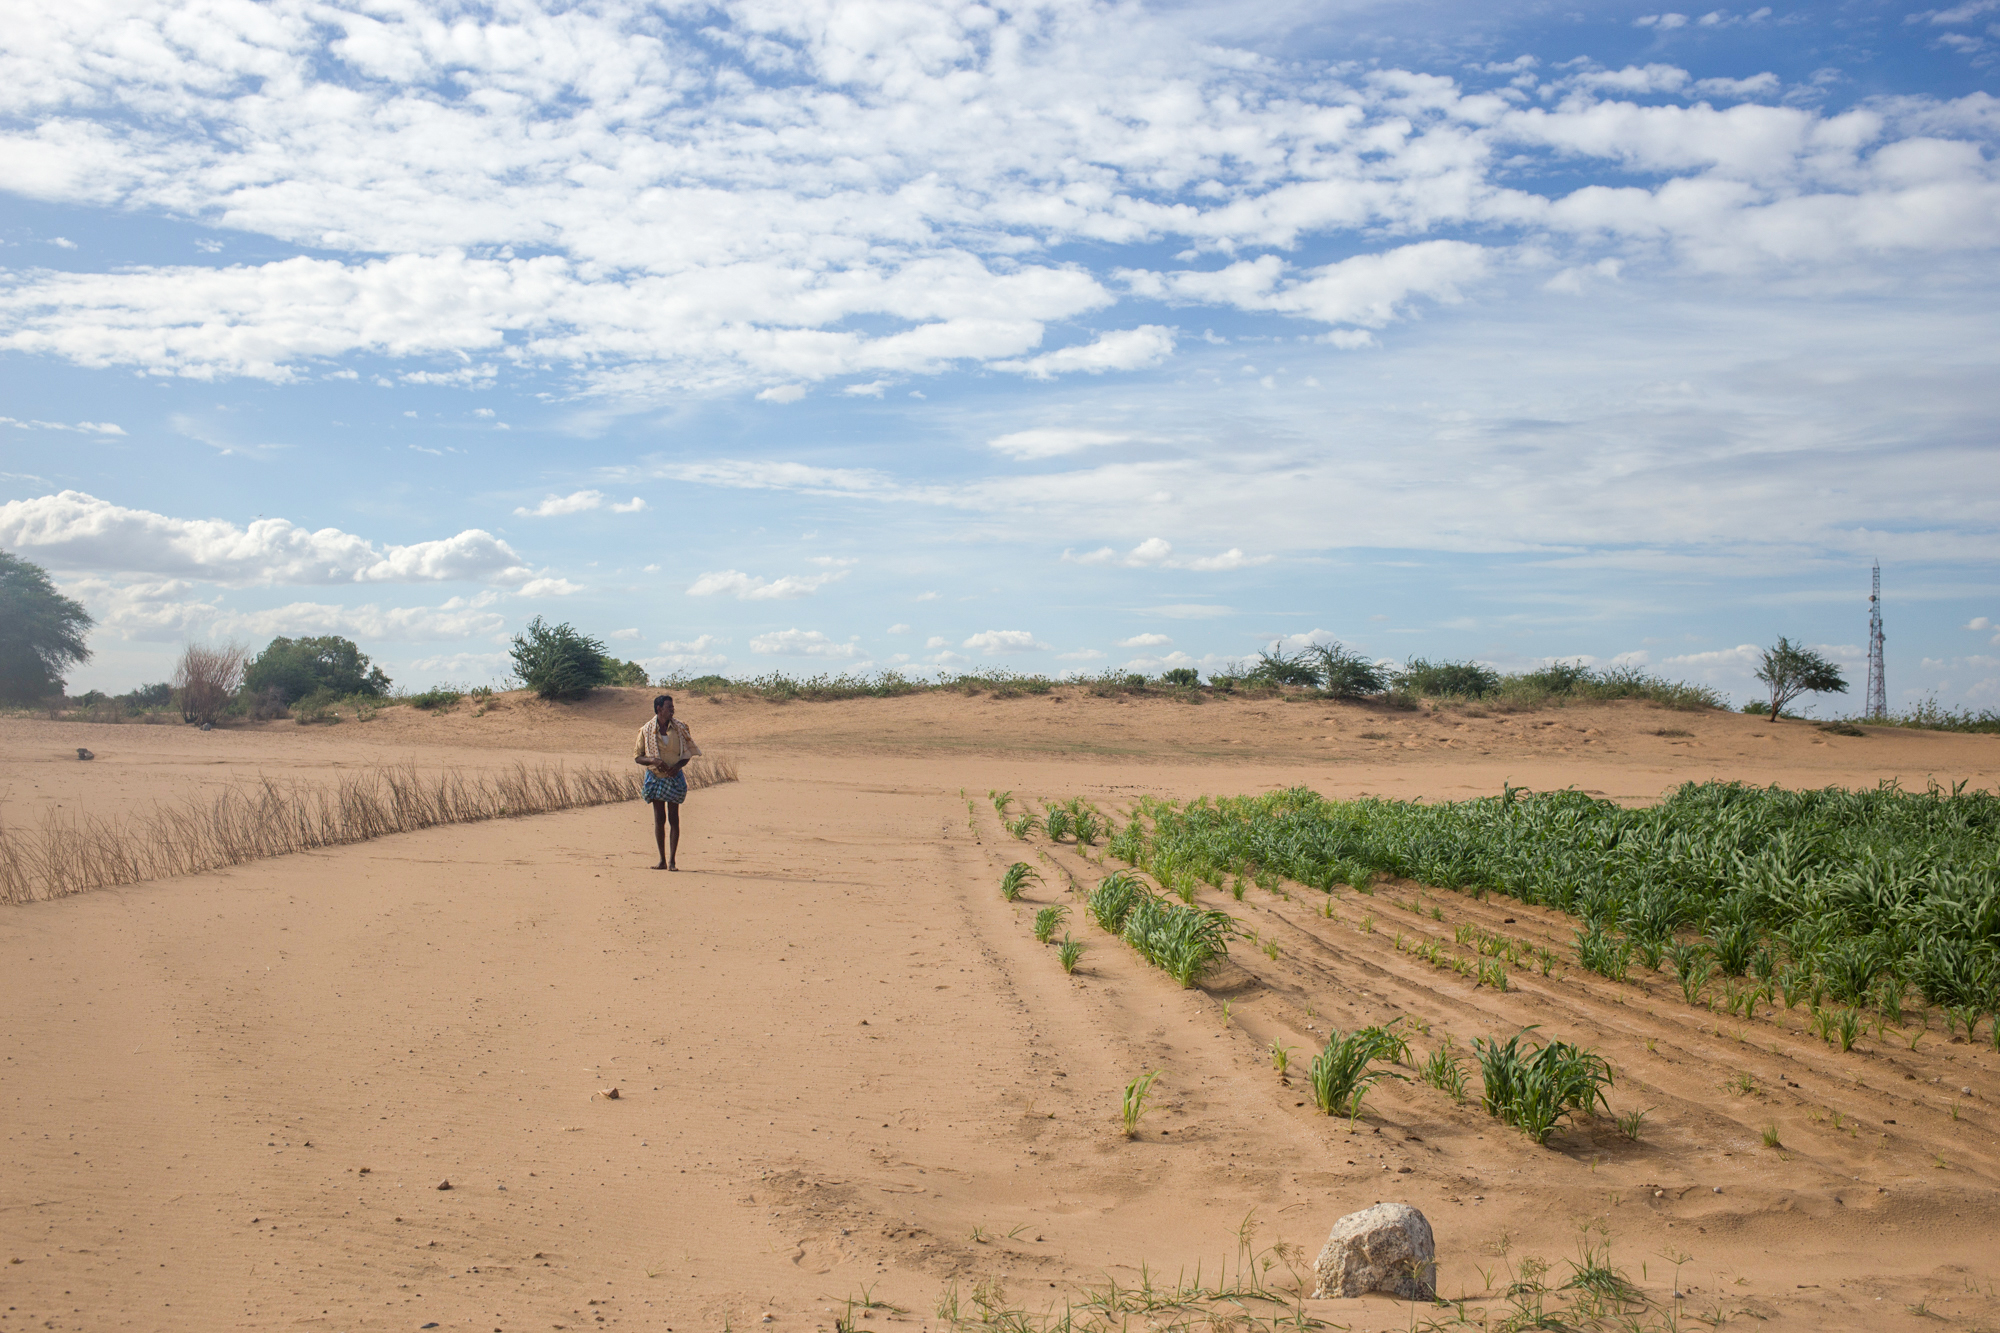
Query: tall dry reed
250	822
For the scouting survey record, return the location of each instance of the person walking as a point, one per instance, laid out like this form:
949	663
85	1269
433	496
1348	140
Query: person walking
665	747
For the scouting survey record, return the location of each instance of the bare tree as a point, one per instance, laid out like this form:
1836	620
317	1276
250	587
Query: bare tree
1791	669
206	679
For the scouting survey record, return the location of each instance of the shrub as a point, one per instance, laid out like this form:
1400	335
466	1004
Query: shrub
1346	674
290	669
629	674
206	680
1181	677
436	699
559	662
1275	667
1457	680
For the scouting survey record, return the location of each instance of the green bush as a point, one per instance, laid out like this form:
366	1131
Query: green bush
1454	680
1183	677
558	661
629	674
290	669
436	699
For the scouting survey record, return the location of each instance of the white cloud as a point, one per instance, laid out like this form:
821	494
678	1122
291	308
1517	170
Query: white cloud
169	611
574	503
899	628
1979	622
802	643
1145	641
1052	442
993	642
936	641
622	634
746	588
1370	290
1081	655
873	389
782	393
549	587
1127	349
578	502
81	427
1158	553
76	531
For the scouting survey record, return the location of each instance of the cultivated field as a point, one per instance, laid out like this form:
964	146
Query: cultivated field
848	1071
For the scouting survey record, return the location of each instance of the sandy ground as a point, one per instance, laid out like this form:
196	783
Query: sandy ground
844	1064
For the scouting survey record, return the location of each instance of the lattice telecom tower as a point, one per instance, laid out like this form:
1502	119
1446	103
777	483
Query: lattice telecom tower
1878	693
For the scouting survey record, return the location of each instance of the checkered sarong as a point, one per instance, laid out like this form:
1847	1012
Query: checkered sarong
673	789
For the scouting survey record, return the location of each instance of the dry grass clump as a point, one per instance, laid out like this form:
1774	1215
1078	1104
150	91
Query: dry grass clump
250	822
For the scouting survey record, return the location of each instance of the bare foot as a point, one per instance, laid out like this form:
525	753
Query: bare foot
663	866
673	867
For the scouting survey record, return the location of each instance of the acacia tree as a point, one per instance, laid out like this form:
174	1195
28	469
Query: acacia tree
1792	669
41	632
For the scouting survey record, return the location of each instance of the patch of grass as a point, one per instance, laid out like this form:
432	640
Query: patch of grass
437	699
1769	1135
1180	941
1281	1056
1632	1123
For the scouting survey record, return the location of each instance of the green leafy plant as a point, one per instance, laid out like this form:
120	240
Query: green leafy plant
1536	1092
1048	920
1056	822
1180	941
1022	826
1281	1057
1017	877
1342	1073
1068	953
1632	1123
1444	1069
1136	1094
1113	898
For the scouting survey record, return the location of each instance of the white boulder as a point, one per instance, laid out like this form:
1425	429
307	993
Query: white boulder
1388	1248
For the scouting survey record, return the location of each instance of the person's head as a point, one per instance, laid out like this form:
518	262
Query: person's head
663	707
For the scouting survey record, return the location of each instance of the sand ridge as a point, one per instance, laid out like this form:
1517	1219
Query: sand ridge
844	1061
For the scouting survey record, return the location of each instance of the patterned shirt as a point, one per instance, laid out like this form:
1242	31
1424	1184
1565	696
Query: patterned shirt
665	751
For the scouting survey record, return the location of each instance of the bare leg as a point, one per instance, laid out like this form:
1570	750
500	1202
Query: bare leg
660	832
674	837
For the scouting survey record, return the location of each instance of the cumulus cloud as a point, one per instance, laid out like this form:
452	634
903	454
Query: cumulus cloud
746	588
76	531
170	610
1127	349
994	642
1145	641
1158	553
885	208
803	643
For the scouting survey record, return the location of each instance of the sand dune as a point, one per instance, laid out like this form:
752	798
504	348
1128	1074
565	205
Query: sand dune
844	1063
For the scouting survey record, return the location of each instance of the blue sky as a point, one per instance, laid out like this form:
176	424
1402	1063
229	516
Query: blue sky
825	336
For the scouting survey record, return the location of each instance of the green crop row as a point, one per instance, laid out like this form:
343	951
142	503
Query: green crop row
1862	895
